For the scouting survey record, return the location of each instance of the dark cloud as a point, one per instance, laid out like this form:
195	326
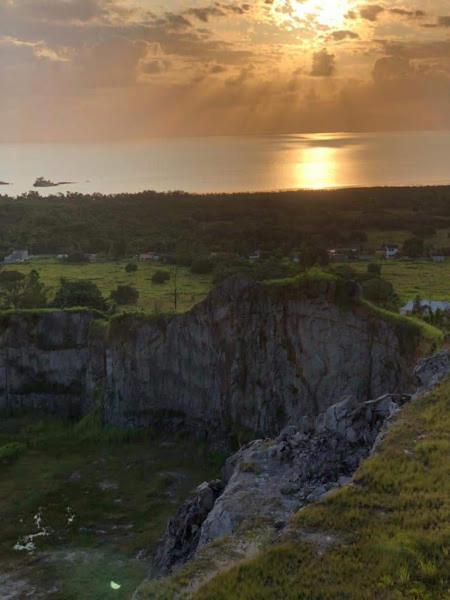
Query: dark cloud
339	36
323	64
371	12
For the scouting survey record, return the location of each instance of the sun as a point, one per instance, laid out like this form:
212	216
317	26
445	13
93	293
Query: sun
323	13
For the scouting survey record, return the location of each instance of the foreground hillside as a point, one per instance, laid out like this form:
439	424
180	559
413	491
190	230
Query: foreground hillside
385	536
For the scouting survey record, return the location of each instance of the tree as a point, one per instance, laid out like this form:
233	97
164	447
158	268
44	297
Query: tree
160	277
374	269
34	292
311	255
413	247
79	293
77	257
18	290
202	266
125	294
131	268
119	248
424	231
380	292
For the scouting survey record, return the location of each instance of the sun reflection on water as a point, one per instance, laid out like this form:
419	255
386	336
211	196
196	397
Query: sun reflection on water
316	168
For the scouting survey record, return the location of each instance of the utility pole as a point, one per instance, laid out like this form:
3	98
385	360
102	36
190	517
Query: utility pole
175	288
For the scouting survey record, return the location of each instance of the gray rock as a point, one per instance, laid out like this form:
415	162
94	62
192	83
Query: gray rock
268	480
246	358
430	371
183	531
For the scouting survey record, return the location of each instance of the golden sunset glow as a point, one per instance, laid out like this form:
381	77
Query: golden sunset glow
317	168
325	12
126	69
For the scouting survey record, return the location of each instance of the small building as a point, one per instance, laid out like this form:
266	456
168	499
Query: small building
391	251
16	256
150	257
342	254
429	307
62	256
255	256
438	258
388	251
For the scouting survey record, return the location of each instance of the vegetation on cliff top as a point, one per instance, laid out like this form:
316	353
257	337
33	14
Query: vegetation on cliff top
389	532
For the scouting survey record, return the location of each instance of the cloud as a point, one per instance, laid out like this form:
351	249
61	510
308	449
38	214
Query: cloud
323	64
371	12
81	69
339	36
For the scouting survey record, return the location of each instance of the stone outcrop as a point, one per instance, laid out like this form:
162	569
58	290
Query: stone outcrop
247	361
430	371
183	531
267	480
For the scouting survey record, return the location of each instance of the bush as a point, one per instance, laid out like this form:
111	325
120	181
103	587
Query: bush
413	247
77	258
131	268
374	269
79	293
12	451
125	294
160	277
202	266
18	290
379	291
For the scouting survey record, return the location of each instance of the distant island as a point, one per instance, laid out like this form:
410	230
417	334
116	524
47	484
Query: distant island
41	182
4	183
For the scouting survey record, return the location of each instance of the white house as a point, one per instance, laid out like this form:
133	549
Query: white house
391	251
438	258
16	256
426	306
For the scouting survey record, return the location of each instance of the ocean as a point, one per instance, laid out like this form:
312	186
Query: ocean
231	164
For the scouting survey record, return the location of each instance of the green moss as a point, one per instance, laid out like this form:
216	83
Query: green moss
412	332
310	283
120	490
124	323
391	529
11	452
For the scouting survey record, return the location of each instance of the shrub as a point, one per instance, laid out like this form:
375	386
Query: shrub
160	277
413	247
374	269
202	266
79	293
12	451
379	291
125	294
77	257
131	268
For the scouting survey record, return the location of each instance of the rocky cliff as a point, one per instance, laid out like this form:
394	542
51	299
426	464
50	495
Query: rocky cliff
248	360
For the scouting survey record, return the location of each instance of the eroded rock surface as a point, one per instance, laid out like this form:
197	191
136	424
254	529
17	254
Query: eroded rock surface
269	479
430	371
248	360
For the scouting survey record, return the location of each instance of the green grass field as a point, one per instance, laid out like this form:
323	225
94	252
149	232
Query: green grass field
103	498
108	275
409	278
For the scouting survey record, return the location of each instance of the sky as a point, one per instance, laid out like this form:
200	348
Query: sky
96	70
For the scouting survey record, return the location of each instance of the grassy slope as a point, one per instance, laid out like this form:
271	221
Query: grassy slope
392	526
409	278
108	275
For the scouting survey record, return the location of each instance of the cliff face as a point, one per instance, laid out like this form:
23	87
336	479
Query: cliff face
246	359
